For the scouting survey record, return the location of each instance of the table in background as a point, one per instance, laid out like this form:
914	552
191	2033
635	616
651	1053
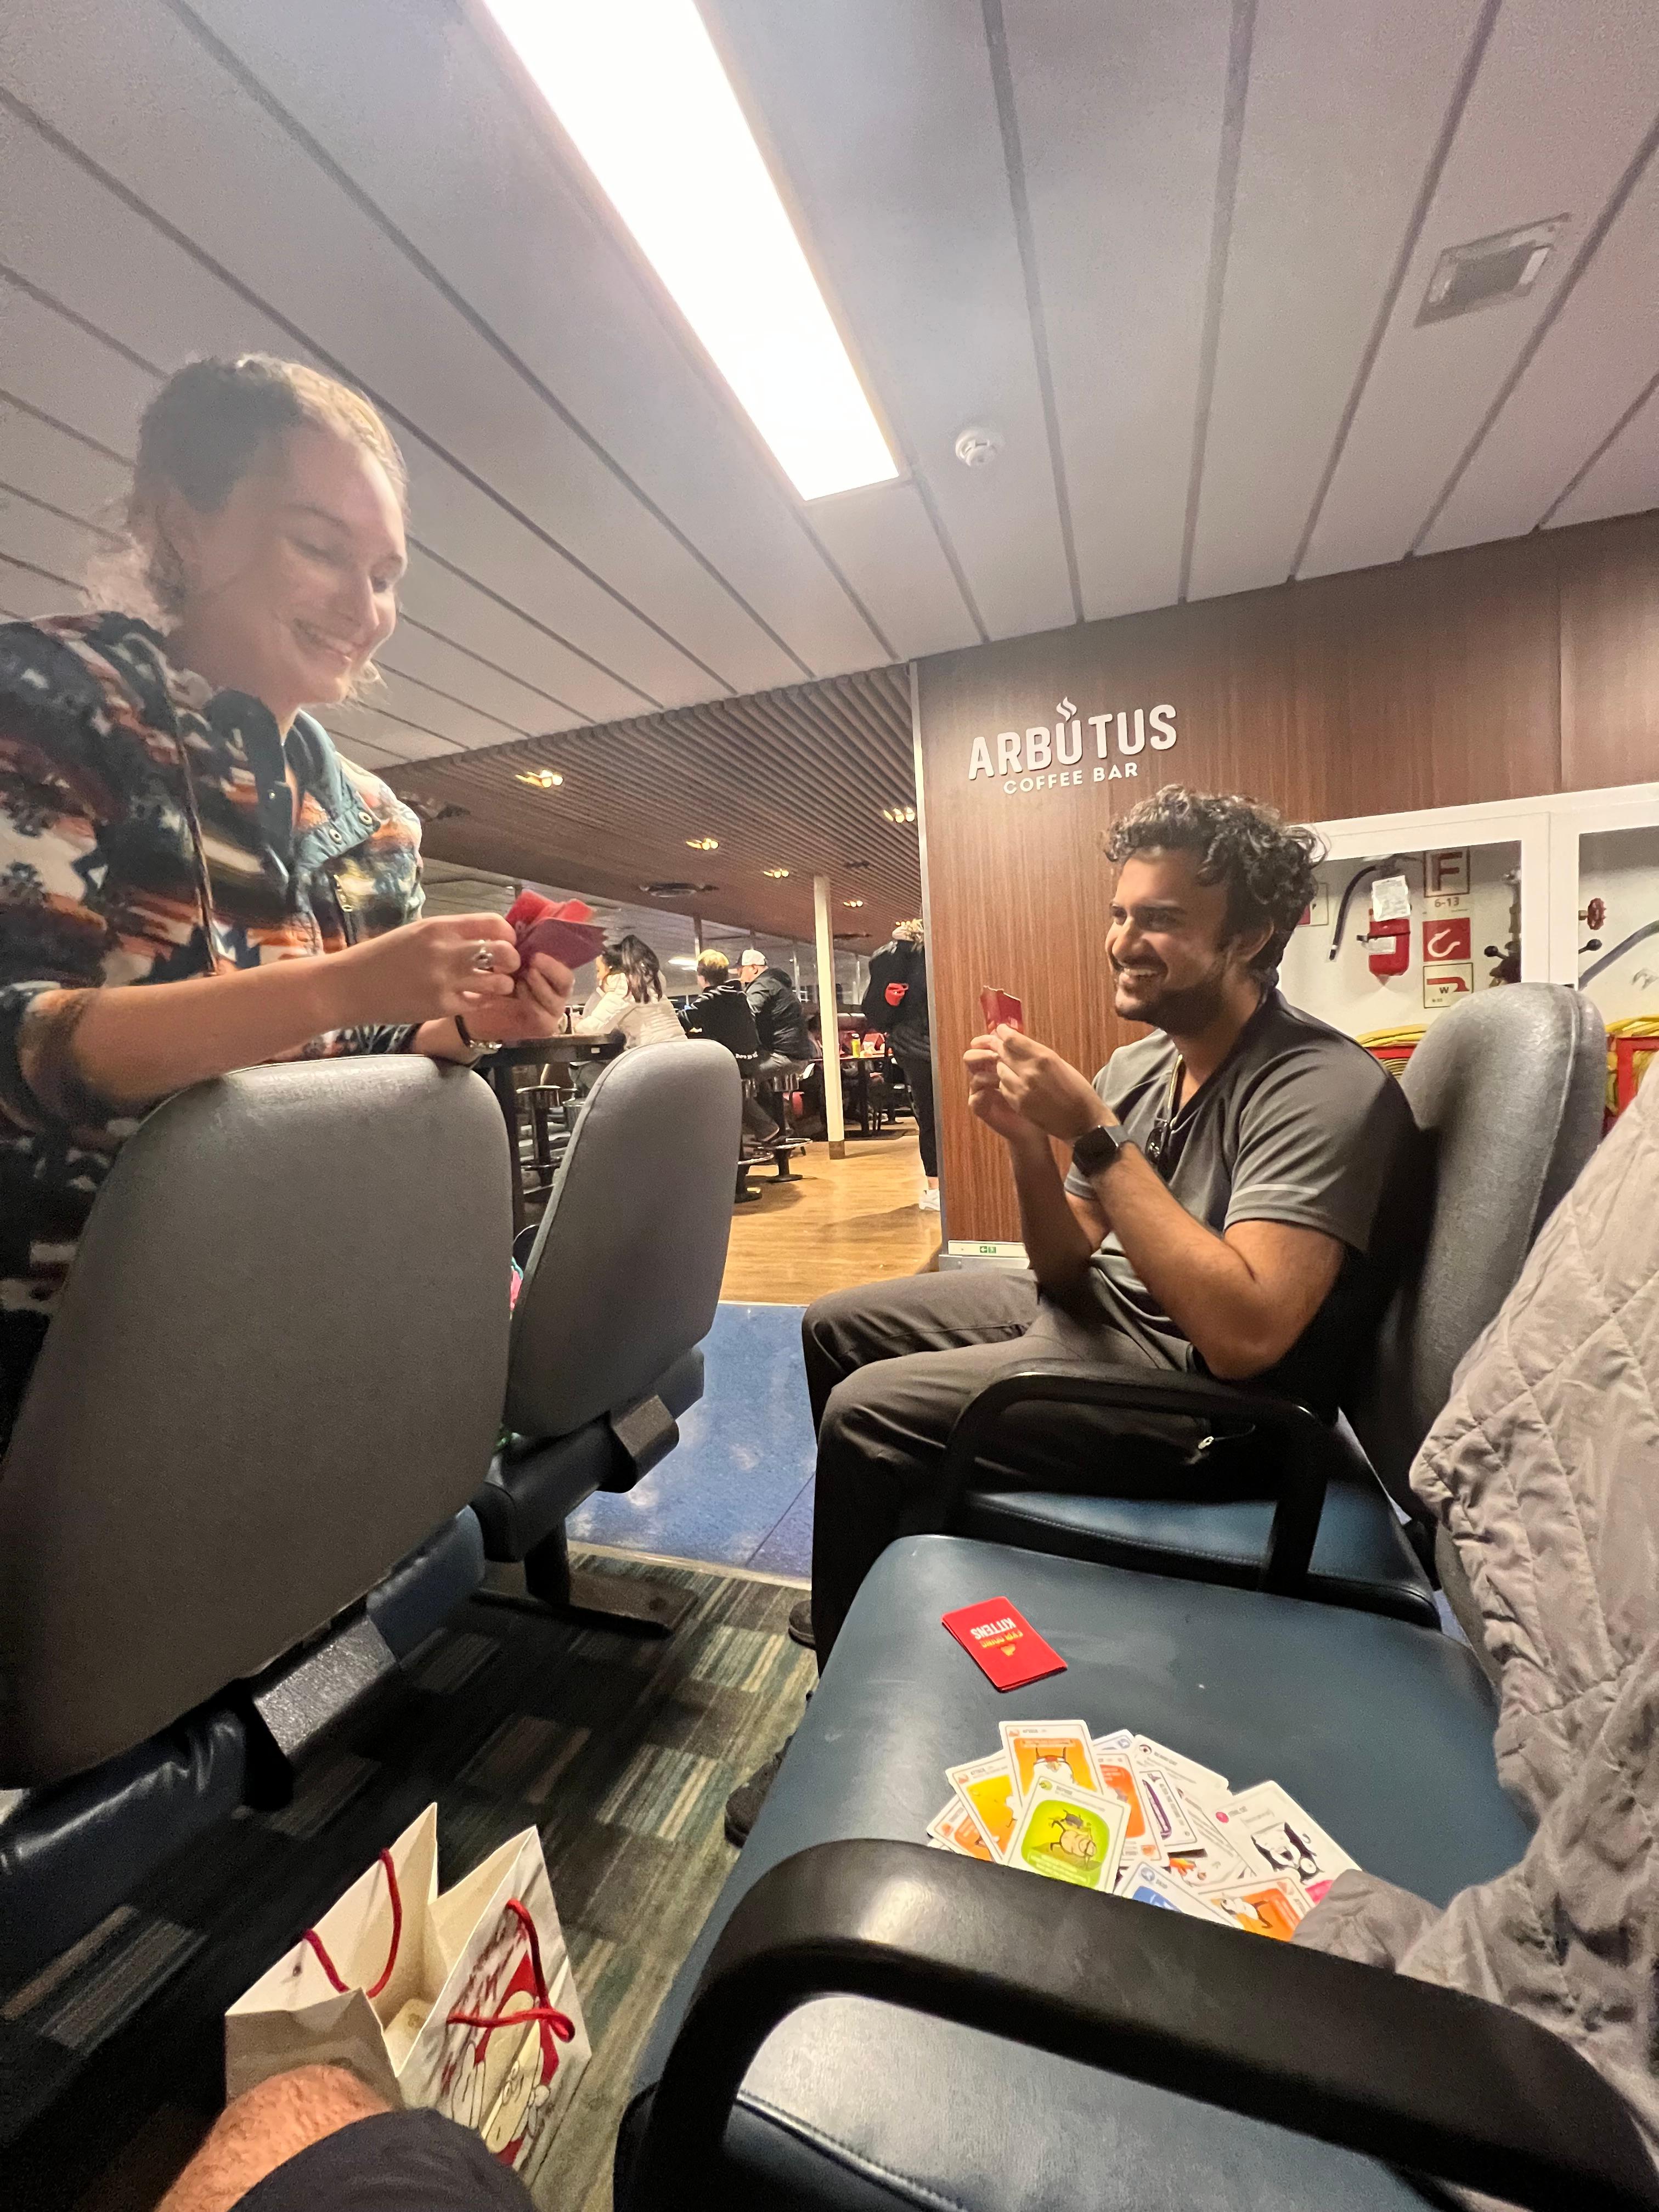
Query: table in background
497	1067
863	1062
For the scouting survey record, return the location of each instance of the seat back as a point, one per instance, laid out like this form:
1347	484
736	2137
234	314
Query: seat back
1508	1089
277	1368
625	1273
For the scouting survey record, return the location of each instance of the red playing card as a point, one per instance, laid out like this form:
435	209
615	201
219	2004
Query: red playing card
1007	1648
1000	1006
566	933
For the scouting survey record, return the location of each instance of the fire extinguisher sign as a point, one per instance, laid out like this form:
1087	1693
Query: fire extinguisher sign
1447	939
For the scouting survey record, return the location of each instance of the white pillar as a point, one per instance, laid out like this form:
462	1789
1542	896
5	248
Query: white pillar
829	1029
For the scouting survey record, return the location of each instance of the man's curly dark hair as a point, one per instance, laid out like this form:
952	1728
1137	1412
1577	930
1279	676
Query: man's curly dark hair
1266	864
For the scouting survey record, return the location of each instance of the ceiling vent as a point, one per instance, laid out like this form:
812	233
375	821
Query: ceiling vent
432	810
676	891
1488	270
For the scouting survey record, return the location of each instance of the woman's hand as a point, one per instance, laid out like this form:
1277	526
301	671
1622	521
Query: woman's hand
422	971
534	1011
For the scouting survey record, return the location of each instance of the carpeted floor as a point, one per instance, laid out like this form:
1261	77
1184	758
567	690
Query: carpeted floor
621	1751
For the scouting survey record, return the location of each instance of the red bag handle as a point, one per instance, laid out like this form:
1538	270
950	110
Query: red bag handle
315	1941
563	2029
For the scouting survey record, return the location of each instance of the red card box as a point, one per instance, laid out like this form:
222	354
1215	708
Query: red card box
1003	1644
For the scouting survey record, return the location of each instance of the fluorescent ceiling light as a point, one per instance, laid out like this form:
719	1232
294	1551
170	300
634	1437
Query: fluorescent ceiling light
638	87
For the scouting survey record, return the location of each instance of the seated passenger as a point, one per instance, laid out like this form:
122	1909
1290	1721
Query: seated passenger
1237	1183
630	997
318	2139
721	1010
177	836
785	1049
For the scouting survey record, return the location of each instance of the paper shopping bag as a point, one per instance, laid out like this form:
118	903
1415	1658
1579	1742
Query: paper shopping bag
463	2003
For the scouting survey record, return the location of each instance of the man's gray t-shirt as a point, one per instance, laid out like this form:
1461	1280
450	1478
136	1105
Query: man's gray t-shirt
1299	1124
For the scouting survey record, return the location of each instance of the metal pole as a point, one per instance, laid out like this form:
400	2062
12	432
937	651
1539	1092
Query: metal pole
829	1030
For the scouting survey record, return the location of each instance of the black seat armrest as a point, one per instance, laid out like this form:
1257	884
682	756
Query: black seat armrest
1311	1452
1426	2078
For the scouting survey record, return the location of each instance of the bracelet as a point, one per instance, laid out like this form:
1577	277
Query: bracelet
467	1038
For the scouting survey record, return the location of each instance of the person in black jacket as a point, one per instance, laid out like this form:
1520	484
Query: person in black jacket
896	1004
786	1048
721	1011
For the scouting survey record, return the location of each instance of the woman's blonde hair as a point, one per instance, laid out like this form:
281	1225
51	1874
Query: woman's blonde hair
910	932
205	428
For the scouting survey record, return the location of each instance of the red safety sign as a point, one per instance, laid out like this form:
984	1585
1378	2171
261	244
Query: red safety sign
1448	939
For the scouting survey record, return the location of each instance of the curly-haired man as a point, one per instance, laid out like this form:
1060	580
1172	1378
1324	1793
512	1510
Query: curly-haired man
1237	1180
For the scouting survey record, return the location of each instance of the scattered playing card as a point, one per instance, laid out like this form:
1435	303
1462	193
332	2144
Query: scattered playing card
987	1787
956	1827
1167	1821
1192	1780
1071	1835
1264	1908
1151	1885
1268	1829
1119	1778
1049	1751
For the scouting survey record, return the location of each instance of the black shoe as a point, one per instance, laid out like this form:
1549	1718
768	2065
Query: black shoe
800	1624
743	1806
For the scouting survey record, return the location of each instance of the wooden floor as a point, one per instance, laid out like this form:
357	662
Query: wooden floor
848	1221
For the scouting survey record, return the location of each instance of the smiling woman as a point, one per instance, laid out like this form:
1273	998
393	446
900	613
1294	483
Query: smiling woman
178	834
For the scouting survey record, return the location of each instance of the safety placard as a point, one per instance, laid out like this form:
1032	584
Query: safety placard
1441	986
1446	903
1446	871
1447	939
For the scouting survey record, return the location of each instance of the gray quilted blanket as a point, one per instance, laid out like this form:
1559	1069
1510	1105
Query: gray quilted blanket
1544	1469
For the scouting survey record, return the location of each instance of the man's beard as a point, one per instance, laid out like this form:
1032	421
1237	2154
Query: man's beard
1182	1011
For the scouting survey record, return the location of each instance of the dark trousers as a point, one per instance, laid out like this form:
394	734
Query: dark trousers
889	1368
773	1070
918	1065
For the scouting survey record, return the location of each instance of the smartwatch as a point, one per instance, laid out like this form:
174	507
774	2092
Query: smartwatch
1098	1148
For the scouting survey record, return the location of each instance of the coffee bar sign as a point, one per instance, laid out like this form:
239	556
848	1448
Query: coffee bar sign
1073	750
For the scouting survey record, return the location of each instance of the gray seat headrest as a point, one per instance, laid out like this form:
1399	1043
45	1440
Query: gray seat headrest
278	1366
624	1275
1508	1091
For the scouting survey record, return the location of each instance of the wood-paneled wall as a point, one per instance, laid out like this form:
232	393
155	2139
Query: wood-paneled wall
1498	672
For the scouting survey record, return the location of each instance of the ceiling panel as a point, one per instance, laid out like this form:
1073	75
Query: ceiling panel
24	596
36	457
420	652
881	539
1593	362
1562	101
1345	102
1123	191
884	122
509	228
1625	479
125	78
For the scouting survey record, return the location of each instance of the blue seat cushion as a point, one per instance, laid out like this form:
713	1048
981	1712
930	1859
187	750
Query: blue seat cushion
1382	1729
1361	1556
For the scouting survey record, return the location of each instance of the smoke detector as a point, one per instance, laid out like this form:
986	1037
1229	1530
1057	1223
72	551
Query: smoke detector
1488	270
977	447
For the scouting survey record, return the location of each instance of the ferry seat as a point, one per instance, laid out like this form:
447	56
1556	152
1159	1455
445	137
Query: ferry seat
1507	1092
236	1494
867	2021
620	1289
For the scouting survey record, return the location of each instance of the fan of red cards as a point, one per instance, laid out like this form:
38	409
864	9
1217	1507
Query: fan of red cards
1127	1816
567	932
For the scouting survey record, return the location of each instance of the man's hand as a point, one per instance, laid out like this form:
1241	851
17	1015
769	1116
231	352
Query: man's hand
1043	1089
983	1061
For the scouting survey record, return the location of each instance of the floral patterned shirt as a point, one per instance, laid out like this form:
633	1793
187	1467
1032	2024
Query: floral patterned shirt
140	812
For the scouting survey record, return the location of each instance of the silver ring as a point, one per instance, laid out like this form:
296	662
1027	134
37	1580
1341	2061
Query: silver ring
483	958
